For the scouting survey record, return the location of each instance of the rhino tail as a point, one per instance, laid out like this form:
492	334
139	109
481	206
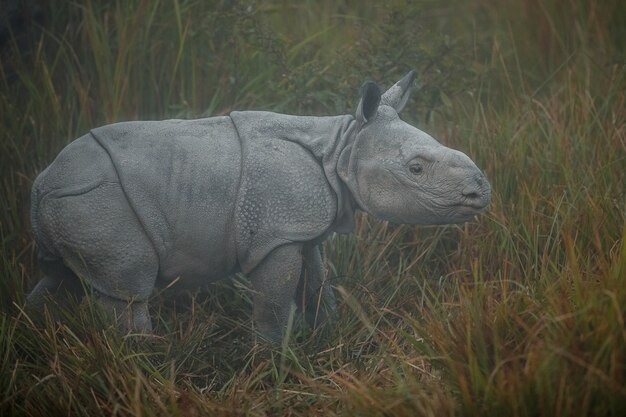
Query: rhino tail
35	200
57	277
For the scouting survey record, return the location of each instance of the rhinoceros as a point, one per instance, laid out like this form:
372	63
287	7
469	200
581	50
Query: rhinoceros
136	205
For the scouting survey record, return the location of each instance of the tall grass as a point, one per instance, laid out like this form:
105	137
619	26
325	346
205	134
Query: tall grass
519	312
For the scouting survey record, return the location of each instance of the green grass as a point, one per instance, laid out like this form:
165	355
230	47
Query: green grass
520	312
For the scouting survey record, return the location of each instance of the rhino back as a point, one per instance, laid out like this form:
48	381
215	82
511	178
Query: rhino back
181	178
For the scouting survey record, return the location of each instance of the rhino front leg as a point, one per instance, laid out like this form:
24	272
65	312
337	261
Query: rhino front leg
315	296
274	282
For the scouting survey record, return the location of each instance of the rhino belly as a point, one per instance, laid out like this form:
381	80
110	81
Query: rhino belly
181	177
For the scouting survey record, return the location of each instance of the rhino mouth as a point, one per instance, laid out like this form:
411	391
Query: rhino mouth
465	211
474	205
477	194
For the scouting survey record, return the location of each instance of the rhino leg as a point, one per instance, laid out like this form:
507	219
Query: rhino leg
99	238
314	296
59	282
274	281
129	316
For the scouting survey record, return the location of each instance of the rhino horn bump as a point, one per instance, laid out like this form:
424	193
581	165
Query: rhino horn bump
398	95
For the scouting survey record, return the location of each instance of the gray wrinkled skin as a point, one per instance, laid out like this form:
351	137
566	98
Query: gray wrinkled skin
137	205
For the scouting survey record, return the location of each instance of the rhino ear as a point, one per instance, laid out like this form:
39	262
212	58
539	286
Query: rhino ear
368	105
399	93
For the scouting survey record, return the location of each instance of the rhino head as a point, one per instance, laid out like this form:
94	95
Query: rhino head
396	172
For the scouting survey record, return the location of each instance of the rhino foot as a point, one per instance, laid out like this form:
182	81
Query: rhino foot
130	316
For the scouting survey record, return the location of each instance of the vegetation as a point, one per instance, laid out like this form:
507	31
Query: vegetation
519	313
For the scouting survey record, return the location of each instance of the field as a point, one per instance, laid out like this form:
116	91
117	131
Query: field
519	312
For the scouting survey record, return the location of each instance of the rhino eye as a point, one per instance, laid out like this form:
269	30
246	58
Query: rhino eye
416	169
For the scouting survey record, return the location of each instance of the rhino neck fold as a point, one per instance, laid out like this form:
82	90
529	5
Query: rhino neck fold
325	138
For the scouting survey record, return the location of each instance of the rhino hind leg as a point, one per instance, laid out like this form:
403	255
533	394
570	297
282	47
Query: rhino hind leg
100	239
314	295
129	315
58	282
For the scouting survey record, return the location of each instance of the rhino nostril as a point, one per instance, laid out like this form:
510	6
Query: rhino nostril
475	197
478	192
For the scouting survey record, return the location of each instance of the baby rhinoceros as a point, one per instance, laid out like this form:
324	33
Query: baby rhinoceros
134	205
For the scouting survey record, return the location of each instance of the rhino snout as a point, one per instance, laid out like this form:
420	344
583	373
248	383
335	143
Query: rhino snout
474	187
477	194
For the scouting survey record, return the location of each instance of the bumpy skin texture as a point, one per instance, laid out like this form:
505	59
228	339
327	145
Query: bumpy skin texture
135	205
